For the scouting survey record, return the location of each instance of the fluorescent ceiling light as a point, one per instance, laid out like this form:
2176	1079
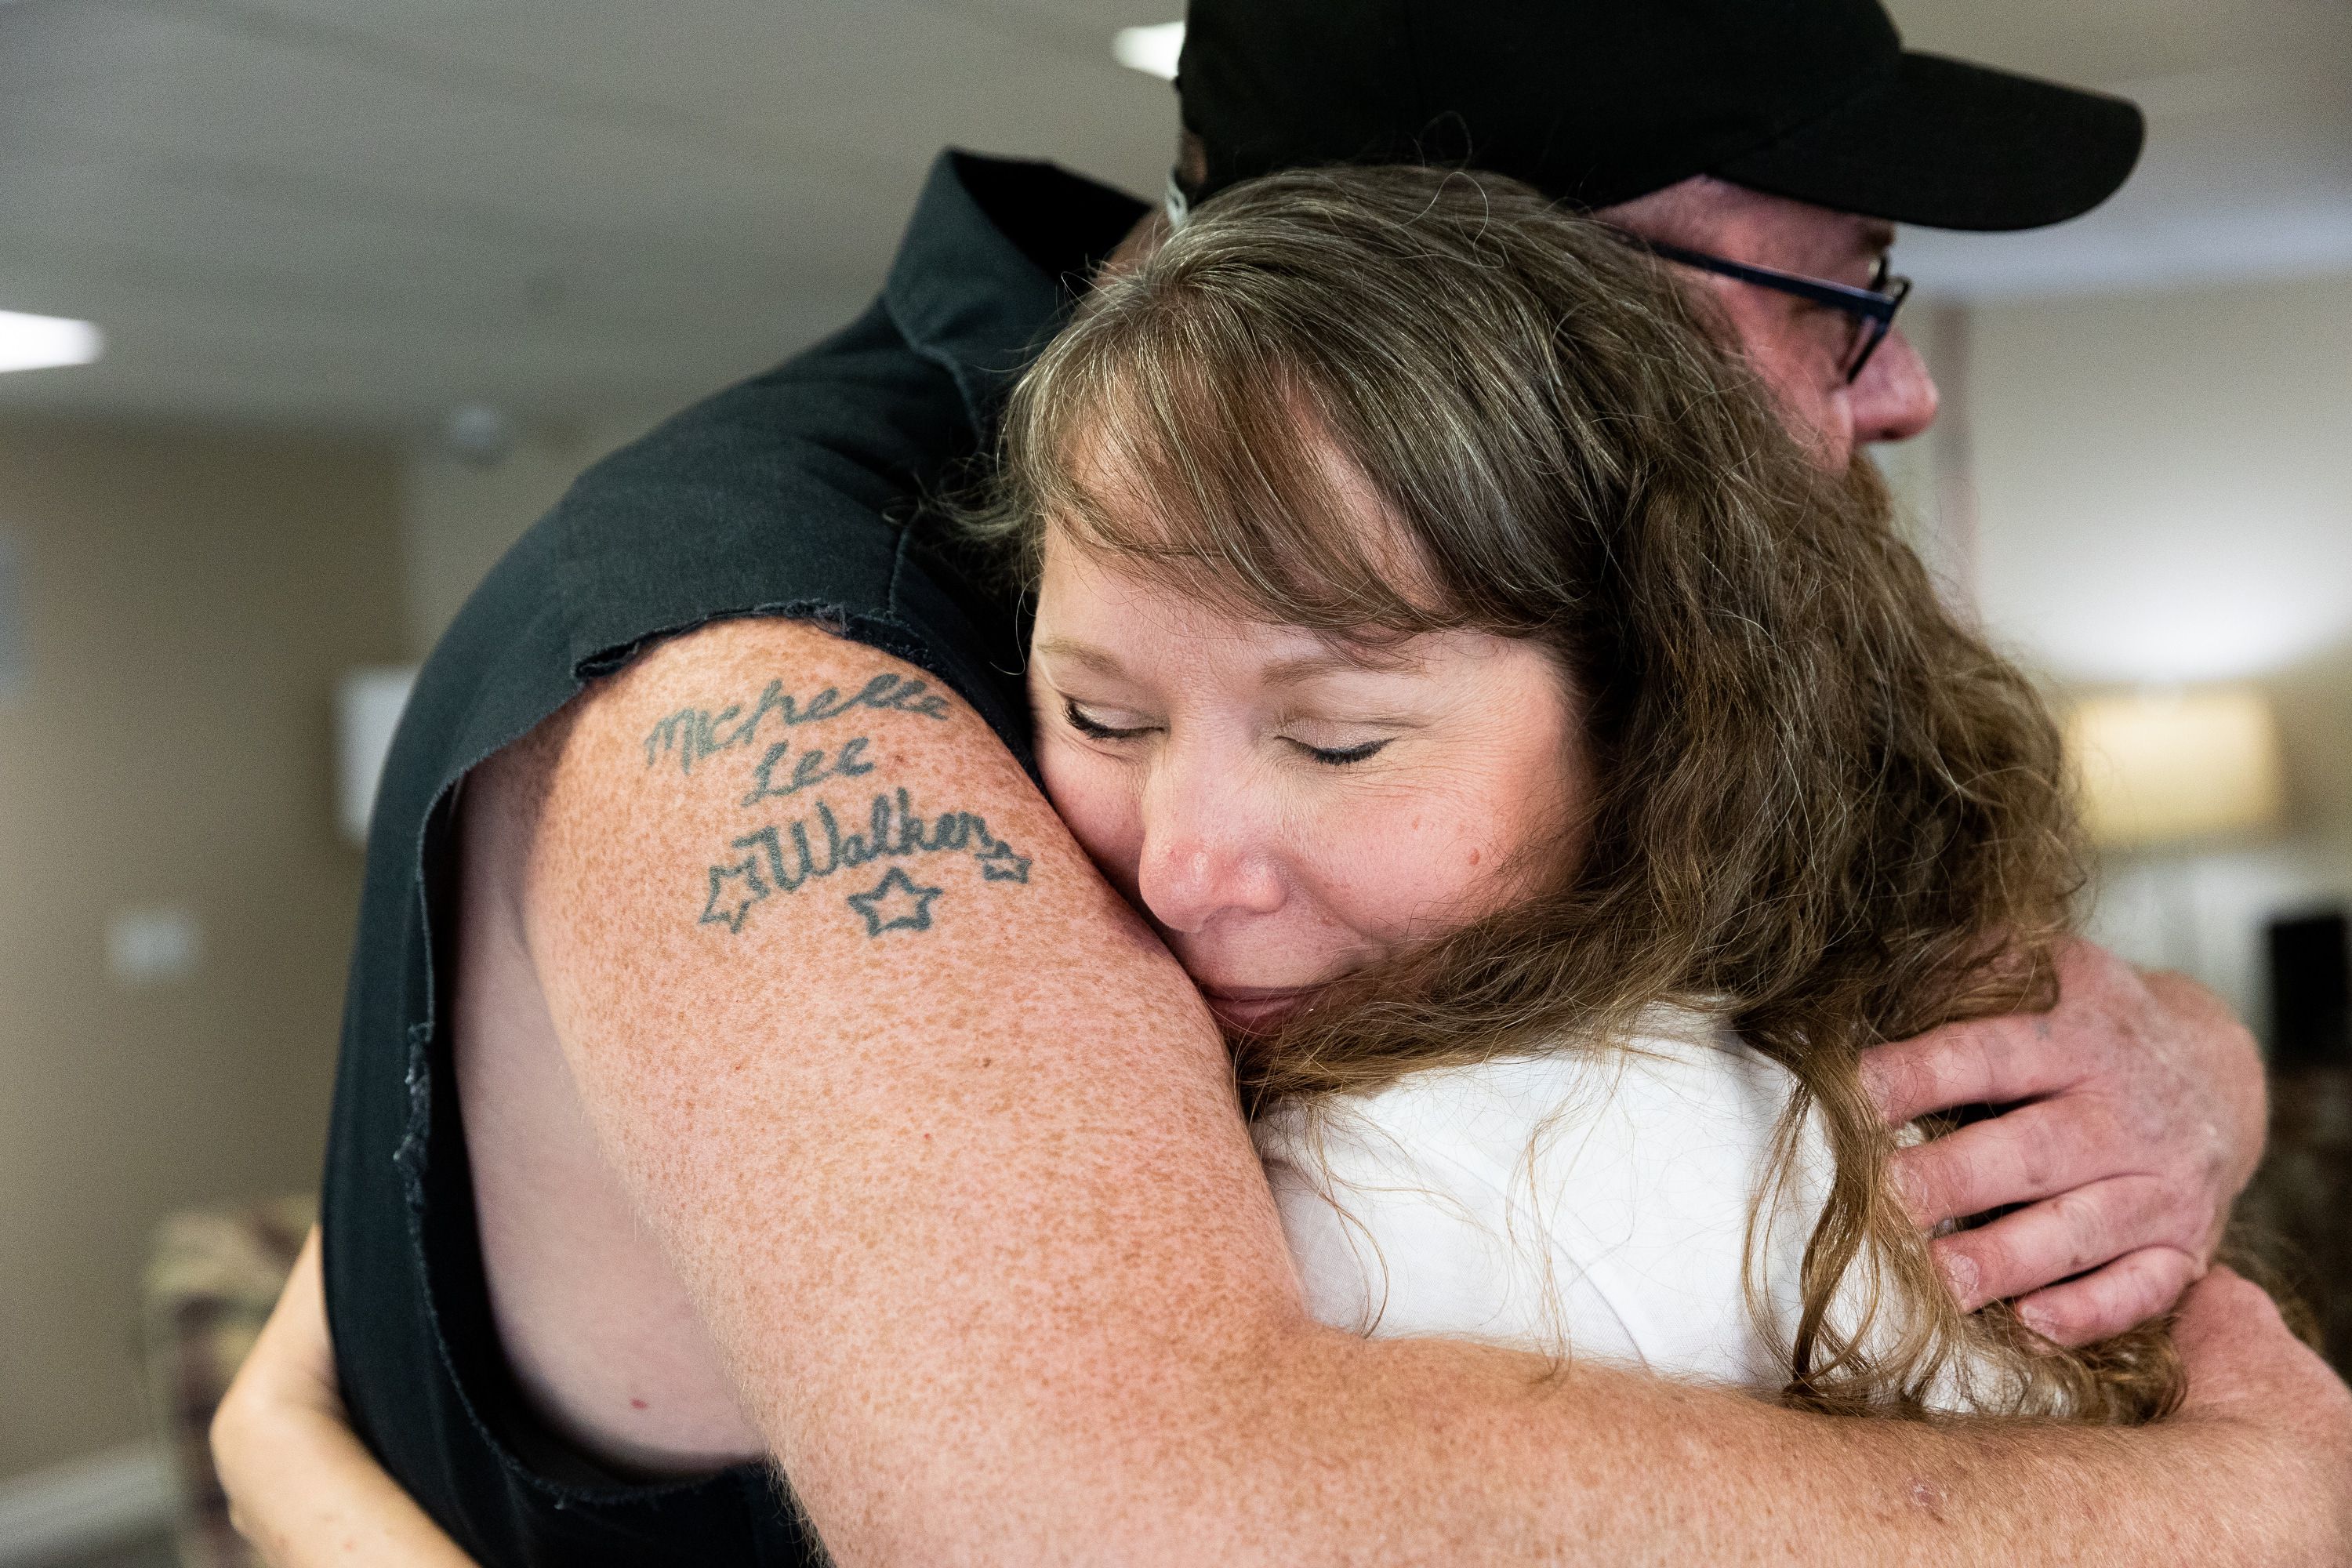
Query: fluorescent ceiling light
37	342
1152	51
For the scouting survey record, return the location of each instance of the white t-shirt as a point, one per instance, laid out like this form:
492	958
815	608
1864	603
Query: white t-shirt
1595	1199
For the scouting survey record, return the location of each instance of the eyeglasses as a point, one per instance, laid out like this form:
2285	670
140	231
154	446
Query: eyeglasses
1870	310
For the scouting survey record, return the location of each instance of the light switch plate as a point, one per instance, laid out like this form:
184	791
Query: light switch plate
152	946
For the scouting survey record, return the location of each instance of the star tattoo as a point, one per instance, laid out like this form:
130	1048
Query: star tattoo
733	890
998	863
896	903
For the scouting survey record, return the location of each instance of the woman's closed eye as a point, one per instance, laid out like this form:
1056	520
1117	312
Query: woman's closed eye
1095	729
1342	756
1098	726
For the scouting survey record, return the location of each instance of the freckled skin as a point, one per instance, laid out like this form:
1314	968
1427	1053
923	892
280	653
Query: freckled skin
942	1383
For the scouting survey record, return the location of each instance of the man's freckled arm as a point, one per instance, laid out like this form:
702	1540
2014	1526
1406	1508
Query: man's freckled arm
948	1151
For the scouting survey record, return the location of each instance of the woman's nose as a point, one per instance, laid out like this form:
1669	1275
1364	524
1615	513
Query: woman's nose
1204	856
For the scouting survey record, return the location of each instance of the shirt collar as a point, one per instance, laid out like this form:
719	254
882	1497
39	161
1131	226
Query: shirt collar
996	252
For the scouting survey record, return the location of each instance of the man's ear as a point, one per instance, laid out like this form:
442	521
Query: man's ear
1192	162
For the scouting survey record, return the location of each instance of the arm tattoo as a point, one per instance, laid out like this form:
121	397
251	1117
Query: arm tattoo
893	830
811	767
786	857
691	734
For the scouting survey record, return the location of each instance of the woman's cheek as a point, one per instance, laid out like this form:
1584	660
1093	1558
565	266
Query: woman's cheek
1097	801
1423	865
1371	863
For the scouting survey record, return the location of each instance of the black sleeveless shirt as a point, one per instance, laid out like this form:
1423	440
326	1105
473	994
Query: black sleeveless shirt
797	493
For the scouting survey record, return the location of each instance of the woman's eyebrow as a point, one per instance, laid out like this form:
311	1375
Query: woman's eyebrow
1339	661
1079	653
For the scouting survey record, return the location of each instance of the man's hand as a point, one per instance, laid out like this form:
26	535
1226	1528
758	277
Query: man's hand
2248	1372
2137	1115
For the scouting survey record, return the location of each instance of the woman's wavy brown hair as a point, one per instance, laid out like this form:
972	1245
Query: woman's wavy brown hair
1826	810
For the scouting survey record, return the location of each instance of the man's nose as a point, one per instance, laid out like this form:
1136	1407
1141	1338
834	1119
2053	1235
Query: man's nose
1894	397
1204	856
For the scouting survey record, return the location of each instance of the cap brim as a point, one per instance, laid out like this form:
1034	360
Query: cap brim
1953	146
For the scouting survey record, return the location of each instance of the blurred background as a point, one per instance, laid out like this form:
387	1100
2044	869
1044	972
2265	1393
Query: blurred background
371	280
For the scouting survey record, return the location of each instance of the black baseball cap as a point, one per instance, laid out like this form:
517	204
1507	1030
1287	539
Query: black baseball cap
1598	102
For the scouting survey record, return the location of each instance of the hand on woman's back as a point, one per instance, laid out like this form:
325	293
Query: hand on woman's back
2247	1369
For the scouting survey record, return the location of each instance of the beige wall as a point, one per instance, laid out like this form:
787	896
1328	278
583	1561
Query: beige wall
191	597
458	518
2164	496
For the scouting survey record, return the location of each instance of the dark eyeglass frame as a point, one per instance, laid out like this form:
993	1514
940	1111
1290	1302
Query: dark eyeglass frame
1872	308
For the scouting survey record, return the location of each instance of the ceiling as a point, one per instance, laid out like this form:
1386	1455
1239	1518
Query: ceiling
2248	171
358	213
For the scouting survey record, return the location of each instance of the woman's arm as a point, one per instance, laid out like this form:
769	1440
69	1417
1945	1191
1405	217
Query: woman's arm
301	1488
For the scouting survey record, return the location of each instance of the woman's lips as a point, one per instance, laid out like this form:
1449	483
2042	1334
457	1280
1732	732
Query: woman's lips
1255	1007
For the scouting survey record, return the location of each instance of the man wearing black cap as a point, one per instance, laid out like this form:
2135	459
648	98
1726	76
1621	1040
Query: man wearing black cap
1802	131
621	1188
1770	149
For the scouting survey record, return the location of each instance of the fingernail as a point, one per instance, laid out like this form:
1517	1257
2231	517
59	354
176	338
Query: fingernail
2039	1321
1960	1277
1874	1078
1907	1189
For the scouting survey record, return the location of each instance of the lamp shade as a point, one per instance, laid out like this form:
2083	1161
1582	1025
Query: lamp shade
2166	769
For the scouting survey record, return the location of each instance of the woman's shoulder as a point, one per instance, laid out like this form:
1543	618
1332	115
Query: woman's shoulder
1609	1184
1681	1075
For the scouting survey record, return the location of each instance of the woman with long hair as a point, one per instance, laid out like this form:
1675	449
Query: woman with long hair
1786	807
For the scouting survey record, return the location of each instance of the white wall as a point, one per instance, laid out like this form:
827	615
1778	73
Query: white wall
2164	496
1932	475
